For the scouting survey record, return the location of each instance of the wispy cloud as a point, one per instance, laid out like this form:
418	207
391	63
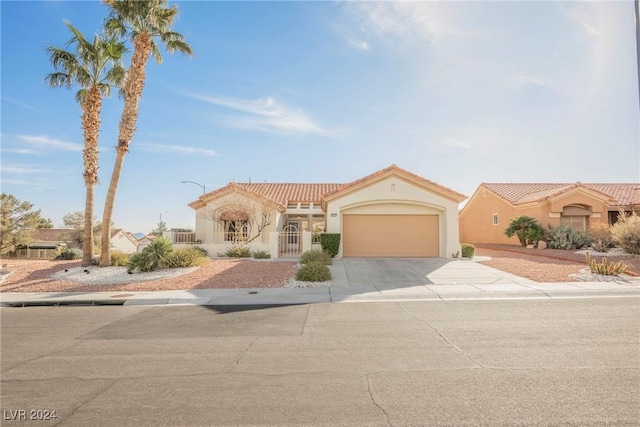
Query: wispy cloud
358	44
22	169
531	80
48	143
265	114
23	105
165	148
400	20
27	151
454	143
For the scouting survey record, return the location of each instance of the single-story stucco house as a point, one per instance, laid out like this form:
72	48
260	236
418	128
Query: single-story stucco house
390	213
44	245
492	207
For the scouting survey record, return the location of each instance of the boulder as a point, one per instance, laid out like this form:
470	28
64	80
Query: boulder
542	244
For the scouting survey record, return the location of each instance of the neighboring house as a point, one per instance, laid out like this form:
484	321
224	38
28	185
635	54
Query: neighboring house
123	241
46	243
391	213
144	241
492	206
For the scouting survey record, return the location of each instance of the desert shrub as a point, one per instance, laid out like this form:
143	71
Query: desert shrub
119	258
563	237
65	253
187	257
139	261
626	232
526	229
202	250
155	256
238	251
314	271
604	268
316	255
330	243
261	255
600	236
467	250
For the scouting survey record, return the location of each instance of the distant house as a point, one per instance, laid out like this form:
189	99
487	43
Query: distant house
123	241
46	243
492	206
144	242
390	213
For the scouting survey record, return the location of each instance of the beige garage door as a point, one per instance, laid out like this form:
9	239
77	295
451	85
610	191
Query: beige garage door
390	236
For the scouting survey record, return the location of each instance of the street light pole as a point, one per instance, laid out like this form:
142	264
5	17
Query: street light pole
199	185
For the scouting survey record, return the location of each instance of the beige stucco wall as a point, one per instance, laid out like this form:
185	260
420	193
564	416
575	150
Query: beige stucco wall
394	195
476	220
123	243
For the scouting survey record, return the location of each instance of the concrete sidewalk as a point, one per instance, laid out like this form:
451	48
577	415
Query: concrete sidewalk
446	281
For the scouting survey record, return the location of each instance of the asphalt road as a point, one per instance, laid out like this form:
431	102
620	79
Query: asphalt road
525	362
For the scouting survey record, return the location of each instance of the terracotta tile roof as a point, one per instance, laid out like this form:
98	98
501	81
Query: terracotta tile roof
518	193
287	193
292	193
51	234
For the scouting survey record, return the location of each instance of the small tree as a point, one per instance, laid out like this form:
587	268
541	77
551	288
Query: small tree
160	229
526	229
243	219
18	222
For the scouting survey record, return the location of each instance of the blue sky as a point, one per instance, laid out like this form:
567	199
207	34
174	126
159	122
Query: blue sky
457	92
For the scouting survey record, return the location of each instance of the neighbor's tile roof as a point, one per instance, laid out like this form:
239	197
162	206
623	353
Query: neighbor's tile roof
51	234
622	194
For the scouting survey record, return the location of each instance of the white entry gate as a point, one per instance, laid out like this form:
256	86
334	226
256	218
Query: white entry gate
290	241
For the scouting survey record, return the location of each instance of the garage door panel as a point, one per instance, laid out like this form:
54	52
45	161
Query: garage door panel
390	235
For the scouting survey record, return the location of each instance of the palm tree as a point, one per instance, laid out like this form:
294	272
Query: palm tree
145	22
95	67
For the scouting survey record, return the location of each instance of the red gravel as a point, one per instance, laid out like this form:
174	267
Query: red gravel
220	273
543	265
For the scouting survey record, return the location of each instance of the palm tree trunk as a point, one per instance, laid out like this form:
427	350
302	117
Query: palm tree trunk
87	241
134	83
105	241
91	128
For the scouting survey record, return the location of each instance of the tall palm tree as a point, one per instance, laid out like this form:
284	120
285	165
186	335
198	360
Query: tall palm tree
94	67
145	22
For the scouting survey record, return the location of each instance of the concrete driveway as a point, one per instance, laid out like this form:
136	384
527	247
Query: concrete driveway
385	273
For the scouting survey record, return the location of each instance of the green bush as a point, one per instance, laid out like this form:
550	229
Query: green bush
316	255
187	257
65	253
467	250
526	229
626	232
330	243
119	258
261	255
314	271
238	251
565	238
140	261
155	256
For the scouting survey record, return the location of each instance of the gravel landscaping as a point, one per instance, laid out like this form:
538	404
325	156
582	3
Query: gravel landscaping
219	273
544	265
547	265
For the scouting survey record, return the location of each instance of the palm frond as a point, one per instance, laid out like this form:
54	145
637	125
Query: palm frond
59	79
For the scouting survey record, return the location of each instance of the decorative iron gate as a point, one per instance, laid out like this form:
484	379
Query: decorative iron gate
290	242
